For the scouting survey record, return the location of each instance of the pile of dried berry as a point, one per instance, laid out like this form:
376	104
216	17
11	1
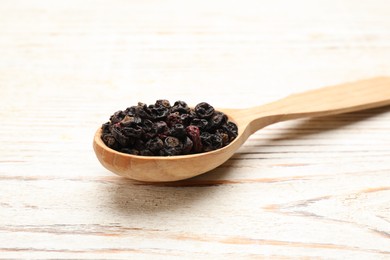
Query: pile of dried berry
165	130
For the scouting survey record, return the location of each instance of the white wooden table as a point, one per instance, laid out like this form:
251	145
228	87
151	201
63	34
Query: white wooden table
315	188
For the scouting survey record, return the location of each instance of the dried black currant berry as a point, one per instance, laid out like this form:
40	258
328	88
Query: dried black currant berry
159	113
171	141
231	130
217	120
187	145
163	103
173	119
204	110
201	123
135	131
155	144
178	131
186	118
119	136
210	141
181	107
110	141
117	117
193	133
161	127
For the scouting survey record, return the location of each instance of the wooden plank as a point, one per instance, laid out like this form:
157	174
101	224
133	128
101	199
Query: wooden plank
315	188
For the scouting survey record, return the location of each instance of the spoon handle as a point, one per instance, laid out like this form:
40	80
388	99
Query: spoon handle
343	98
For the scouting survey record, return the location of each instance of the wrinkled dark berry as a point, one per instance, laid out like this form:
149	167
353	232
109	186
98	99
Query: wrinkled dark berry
210	141
135	131
106	127
117	117
130	121
155	144
181	107
231	130
132	111
159	113
164	130
173	119
110	141
224	136
217	120
121	138
162	127
201	123
141	110
147	124
171	141
187	145
186	118
204	110
193	133
152	133
178	131
163	103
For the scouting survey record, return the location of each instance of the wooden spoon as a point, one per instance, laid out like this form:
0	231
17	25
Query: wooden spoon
332	100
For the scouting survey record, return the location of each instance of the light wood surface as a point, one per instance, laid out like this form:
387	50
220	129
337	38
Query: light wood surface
308	188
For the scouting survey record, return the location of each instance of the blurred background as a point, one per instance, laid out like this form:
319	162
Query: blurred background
235	53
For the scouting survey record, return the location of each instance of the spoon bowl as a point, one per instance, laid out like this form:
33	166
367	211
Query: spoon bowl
348	97
162	168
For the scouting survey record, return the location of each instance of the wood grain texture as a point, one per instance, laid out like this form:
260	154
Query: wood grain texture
313	188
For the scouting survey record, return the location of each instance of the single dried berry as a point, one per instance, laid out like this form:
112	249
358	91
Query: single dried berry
181	107
135	131
187	145
186	118
210	141
117	117
171	141
163	103
231	129
193	133
204	110
110	141
224	136
173	119
202	124
178	131
155	144
161	126
119	136
141	110
164	130
130	121
159	113
217	120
